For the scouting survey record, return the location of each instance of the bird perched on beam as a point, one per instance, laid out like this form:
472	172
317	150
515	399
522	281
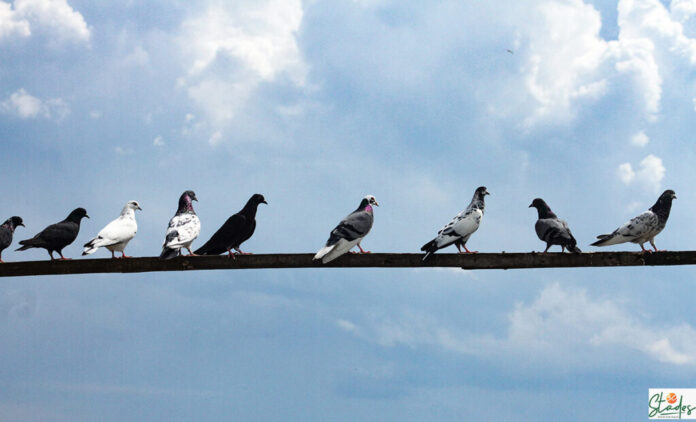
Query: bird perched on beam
642	228
57	236
183	228
552	229
462	226
7	231
349	232
236	230
116	235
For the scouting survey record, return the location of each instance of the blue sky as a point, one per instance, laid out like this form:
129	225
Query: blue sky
316	104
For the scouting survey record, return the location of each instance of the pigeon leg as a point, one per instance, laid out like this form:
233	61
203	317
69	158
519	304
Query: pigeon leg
123	255
242	253
112	255
548	245
231	254
190	252
361	249
50	253
458	248
655	247
645	250
62	258
468	251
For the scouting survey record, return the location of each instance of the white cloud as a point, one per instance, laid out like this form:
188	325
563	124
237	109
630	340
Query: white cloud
650	173
626	173
231	48
56	17
26	106
640	139
568	61
158	141
11	24
562	327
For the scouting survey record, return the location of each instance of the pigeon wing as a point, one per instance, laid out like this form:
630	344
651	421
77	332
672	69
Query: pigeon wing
638	230
118	231
355	226
183	229
225	237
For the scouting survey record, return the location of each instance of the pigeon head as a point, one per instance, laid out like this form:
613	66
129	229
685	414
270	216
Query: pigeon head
13	222
133	205
481	191
185	203
664	204
543	209
367	202
257	198
77	215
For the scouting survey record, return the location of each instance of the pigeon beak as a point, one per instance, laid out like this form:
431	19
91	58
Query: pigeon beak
674	196
531	205
264	202
376	204
86	215
138	207
21	224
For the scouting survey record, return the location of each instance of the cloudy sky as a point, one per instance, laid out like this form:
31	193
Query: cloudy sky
315	104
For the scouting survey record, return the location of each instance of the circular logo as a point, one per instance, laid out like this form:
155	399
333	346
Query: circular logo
671	398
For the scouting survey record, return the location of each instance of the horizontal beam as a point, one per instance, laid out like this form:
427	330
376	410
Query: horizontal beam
480	261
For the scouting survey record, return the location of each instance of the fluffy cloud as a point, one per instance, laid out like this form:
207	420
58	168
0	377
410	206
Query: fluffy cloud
650	173
230	49
640	139
11	24
568	61
561	327
26	106
53	16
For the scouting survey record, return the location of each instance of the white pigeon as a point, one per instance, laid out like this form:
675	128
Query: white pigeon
644	227
349	232
183	228
116	235
462	226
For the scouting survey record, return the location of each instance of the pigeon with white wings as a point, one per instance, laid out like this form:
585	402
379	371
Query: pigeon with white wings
462	226
183	228
552	229
349	232
644	227
116	235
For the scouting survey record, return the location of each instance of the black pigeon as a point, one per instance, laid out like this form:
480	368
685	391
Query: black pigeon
57	236
236	230
552	229
7	230
644	227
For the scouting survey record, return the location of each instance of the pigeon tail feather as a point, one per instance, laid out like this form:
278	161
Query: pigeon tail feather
574	249
169	253
323	251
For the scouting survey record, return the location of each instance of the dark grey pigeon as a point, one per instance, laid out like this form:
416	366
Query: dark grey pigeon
236	230
7	230
642	228
349	232
552	229
57	236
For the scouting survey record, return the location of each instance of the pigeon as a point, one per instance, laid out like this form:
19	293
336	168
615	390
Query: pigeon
552	229
183	228
7	230
236	230
116	235
644	227
57	236
462	226
349	232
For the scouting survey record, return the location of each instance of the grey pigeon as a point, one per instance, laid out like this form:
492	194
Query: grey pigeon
644	227
552	229
7	230
57	236
349	232
462	226
236	230
183	228
116	235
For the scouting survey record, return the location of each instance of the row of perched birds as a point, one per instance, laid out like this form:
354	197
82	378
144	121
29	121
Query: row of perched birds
185	227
